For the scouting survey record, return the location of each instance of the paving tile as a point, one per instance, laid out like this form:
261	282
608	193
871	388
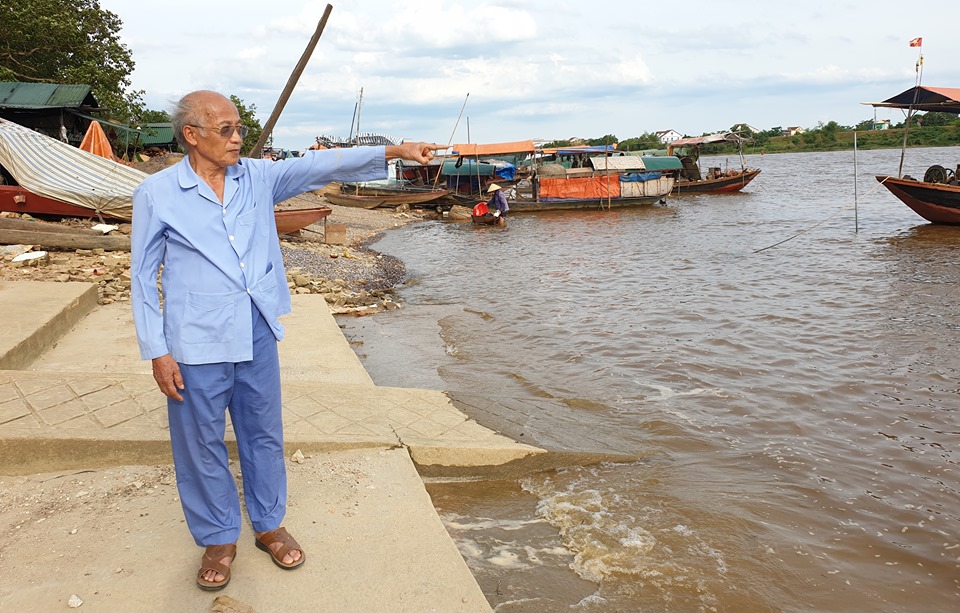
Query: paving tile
13	409
51	396
63	412
87	385
117	413
327	422
8	392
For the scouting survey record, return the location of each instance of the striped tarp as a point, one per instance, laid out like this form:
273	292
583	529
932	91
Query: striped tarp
54	169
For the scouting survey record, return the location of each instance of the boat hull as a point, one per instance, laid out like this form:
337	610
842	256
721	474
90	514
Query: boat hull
719	185
395	199
591	204
291	220
15	199
938	203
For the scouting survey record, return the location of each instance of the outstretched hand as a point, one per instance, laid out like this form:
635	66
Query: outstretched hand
415	152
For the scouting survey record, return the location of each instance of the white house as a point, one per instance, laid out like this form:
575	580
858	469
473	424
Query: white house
745	127
793	131
668	136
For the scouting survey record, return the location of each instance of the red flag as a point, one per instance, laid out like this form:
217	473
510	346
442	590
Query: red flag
916	42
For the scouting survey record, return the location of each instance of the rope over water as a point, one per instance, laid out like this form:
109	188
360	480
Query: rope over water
819	223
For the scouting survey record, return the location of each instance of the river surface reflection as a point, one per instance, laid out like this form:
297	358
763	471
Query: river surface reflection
796	406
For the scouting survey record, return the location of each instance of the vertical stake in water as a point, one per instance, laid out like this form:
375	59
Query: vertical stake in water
856	217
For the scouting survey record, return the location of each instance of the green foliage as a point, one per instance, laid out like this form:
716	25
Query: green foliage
148	116
609	139
72	42
938	119
248	118
645	141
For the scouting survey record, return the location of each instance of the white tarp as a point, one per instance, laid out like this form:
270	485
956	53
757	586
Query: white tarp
51	168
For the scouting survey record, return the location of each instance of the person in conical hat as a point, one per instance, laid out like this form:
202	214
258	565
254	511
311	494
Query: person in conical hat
498	201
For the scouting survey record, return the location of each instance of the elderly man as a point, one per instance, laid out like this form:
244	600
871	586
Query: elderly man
208	221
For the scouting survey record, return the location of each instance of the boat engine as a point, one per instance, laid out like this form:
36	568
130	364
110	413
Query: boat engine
939	174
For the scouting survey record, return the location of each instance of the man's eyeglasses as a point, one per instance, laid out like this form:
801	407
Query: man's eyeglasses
227	131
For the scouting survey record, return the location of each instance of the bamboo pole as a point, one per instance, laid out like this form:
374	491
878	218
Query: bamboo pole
291	83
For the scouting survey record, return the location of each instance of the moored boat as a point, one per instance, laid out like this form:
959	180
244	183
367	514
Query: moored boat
579	178
715	180
937	197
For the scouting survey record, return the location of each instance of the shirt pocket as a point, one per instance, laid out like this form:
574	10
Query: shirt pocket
252	226
208	318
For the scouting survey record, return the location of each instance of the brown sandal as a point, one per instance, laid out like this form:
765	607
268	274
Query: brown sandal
280	535
211	561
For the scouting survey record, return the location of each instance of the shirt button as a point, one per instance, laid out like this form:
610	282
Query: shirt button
248	290
242	265
231	237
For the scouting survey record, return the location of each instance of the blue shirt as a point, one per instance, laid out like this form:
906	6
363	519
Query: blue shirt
221	259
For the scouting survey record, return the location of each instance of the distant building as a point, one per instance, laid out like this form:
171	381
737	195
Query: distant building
59	111
745	127
668	136
793	131
881	124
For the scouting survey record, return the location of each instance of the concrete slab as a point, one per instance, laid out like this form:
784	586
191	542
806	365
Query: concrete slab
116	539
36	315
105	340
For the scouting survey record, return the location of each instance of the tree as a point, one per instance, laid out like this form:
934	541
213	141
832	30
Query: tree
937	119
249	119
609	139
73	42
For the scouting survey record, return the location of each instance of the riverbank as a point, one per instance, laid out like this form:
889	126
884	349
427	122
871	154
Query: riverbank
351	277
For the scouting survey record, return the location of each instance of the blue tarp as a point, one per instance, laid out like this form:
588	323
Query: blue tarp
639	177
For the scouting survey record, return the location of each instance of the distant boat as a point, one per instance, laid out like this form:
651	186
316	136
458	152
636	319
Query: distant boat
714	180
384	199
595	178
937	197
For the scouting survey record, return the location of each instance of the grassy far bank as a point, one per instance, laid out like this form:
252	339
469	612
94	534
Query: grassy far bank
837	140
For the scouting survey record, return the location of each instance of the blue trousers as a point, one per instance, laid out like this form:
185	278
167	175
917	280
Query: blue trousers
250	391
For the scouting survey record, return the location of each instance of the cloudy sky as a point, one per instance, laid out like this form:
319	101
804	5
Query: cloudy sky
540	69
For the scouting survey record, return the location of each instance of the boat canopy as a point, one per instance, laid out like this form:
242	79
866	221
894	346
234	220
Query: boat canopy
661	162
48	167
919	98
523	146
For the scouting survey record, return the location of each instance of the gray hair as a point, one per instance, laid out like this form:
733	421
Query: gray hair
189	111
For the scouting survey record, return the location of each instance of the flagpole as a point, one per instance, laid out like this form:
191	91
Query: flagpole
916	42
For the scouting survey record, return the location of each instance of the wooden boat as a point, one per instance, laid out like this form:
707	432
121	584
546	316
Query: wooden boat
15	199
936	202
693	180
600	182
291	220
717	181
481	215
384	200
937	197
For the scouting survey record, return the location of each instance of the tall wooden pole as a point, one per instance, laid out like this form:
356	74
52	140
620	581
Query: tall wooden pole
291	83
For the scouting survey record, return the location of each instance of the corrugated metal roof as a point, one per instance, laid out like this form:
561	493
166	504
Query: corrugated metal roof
156	134
17	95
